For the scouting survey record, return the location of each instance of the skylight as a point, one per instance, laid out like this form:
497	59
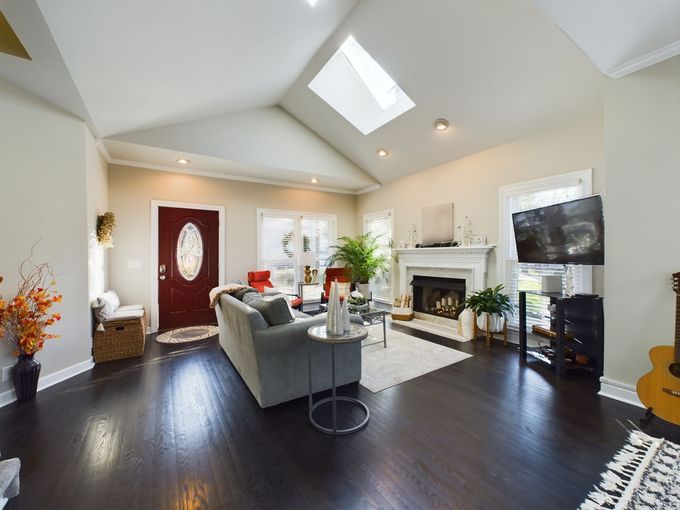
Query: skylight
359	89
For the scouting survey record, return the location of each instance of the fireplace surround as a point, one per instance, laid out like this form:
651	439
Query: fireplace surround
467	263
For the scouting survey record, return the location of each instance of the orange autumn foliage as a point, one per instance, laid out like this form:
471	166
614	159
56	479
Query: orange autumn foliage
24	318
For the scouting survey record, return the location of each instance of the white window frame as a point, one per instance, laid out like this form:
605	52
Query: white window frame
296	215
379	215
505	193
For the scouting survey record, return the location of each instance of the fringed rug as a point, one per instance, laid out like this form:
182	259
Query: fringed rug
190	334
644	475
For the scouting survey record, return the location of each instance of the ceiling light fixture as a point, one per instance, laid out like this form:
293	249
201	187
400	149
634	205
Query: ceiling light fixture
441	124
183	161
314	180
312	3
383	153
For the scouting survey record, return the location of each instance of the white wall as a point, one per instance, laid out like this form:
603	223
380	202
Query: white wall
472	183
131	191
642	213
42	197
97	190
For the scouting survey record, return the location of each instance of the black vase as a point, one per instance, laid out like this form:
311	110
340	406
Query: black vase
26	373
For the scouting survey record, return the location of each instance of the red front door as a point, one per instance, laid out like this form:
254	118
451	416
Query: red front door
188	266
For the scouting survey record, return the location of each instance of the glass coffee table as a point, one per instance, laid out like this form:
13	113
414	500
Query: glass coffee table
370	316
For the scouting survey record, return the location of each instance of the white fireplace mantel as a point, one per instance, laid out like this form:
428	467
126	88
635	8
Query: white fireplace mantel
472	260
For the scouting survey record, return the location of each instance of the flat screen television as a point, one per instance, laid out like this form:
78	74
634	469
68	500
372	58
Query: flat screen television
567	233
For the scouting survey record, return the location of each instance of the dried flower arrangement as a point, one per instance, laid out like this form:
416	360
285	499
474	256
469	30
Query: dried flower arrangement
105	224
24	318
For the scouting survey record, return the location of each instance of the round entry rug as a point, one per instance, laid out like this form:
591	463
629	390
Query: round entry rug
190	334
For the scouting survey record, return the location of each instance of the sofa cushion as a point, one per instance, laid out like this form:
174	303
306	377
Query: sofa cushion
275	311
241	293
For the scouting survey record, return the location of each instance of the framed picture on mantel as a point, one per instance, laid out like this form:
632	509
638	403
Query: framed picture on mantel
477	241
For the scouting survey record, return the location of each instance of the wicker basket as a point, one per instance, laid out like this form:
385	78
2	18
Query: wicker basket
120	339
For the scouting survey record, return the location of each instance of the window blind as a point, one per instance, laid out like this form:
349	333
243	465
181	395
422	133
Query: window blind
288	241
278	250
381	224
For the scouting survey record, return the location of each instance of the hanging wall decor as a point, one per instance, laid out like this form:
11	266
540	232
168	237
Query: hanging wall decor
105	224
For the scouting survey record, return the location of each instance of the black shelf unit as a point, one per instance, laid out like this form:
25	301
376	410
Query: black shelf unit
581	317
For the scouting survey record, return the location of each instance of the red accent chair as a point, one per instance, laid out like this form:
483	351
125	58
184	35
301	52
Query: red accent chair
260	280
341	274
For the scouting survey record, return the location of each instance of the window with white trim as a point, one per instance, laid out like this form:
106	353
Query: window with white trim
381	223
520	276
289	240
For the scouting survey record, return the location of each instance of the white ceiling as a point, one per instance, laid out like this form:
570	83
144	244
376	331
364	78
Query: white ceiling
140	64
497	70
161	79
619	36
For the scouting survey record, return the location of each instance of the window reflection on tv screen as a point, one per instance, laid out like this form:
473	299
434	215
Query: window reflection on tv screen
567	233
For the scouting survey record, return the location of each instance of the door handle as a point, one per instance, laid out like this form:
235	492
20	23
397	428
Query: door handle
161	269
161	277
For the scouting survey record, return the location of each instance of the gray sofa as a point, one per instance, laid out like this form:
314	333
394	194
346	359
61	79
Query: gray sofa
273	360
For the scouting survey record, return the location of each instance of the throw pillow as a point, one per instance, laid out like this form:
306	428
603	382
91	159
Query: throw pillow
104	307
274	311
251	296
241	293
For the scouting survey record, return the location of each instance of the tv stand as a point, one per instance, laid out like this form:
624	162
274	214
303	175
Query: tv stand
576	324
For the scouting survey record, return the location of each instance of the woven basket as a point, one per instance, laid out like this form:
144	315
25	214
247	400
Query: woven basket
120	339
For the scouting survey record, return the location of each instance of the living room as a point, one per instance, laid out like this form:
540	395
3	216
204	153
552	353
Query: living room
189	110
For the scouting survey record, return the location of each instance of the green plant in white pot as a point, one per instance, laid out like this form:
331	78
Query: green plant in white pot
361	256
493	303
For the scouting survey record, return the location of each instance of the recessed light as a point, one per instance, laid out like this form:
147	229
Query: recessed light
183	161
314	180
383	153
312	2
441	124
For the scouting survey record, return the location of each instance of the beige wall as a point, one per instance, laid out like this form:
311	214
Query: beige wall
642	151
132	189
42	197
472	183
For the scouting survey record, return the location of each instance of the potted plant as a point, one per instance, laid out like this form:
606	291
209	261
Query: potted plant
23	321
360	255
491	302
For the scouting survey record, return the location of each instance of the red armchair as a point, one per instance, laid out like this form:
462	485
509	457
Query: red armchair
341	274
260	280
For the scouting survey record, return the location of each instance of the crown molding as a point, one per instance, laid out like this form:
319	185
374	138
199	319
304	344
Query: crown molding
101	147
368	189
228	177
646	60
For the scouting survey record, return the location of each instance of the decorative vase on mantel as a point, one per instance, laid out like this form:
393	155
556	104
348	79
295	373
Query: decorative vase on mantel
26	373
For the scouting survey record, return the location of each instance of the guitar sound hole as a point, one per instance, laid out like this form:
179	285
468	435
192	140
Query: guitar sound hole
674	369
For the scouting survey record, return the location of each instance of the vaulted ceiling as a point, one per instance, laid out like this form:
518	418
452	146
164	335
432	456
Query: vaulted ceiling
224	83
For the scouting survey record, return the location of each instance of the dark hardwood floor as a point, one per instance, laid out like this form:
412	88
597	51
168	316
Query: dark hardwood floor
179	429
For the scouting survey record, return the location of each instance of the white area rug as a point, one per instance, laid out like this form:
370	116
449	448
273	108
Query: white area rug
644	475
406	357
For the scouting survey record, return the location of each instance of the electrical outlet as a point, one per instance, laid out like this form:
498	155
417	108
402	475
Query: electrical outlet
6	373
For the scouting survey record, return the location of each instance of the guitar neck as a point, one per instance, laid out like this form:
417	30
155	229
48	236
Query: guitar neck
677	328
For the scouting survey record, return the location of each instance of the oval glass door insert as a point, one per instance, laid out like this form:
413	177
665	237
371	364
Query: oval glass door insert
189	251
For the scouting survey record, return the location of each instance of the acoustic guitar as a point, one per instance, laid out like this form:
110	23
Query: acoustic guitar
659	390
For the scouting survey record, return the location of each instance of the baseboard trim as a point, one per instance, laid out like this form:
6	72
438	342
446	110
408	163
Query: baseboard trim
9	396
619	391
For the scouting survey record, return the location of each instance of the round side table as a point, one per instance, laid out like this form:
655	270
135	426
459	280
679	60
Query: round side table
319	334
